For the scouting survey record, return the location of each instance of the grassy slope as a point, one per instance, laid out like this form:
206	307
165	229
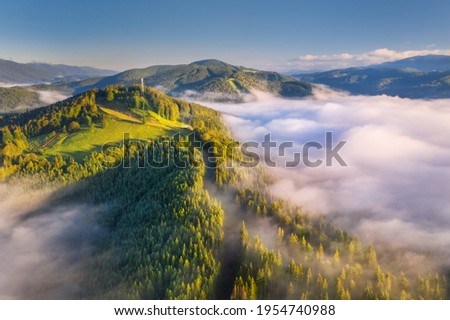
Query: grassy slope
233	84
85	141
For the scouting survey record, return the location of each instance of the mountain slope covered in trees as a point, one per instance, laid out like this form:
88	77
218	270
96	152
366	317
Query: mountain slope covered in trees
164	234
15	98
21	98
211	80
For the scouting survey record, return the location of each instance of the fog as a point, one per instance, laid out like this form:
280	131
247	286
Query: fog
49	97
45	97
43	246
10	85
396	185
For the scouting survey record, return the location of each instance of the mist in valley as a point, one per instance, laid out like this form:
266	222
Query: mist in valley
393	191
44	247
49	97
21	101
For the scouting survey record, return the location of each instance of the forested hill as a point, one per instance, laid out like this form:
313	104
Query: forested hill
163	234
17	98
208	80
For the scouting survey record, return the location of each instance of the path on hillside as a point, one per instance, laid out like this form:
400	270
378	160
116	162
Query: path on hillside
52	139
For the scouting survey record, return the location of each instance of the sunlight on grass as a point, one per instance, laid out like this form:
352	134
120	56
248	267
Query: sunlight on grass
85	141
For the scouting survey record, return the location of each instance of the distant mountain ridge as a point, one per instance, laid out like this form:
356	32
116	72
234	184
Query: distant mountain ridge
421	63
31	73
420	77
211	79
205	80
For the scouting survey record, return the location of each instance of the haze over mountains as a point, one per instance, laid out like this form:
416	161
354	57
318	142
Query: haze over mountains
30	73
421	63
423	77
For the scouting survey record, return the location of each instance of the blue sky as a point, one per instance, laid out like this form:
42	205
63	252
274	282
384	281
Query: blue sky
266	34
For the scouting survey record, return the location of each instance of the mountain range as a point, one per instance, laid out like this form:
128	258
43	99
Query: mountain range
420	77
30	73
420	63
424	77
210	80
205	80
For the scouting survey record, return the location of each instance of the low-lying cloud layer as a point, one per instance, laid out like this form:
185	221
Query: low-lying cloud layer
397	183
49	97
43	247
10	85
38	99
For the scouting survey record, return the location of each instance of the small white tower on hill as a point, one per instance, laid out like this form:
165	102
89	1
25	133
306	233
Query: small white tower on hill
142	85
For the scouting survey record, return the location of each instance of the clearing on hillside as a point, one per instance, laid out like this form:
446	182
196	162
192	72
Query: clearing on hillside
87	140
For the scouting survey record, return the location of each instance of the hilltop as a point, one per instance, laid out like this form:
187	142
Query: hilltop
207	80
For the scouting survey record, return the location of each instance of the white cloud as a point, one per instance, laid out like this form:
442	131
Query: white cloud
397	182
43	246
10	85
49	97
346	60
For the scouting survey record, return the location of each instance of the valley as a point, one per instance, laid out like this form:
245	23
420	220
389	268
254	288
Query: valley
183	231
